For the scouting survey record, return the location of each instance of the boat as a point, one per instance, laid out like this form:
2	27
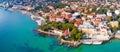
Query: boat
97	42
87	42
117	36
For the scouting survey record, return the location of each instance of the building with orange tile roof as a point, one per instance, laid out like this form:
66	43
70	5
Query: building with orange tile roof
52	17
60	19
66	15
90	16
66	32
77	23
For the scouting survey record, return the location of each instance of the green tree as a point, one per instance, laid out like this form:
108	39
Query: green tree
119	25
45	27
74	31
102	11
54	24
109	19
59	5
118	16
114	29
78	36
45	9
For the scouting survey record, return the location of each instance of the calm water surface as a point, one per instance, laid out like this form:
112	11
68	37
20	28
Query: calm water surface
17	35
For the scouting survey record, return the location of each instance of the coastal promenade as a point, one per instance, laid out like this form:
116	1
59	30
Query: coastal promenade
62	41
74	43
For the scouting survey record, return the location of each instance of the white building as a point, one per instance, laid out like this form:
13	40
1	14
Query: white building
40	22
59	19
90	16
109	13
100	15
117	12
75	14
58	32
102	37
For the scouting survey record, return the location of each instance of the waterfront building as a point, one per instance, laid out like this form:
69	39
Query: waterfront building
67	33
58	32
90	16
77	23
117	12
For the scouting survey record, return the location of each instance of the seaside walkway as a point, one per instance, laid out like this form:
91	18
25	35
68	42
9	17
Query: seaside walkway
48	33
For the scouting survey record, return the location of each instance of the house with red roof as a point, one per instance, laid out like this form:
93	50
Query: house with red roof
66	33
66	15
52	17
96	20
60	19
90	16
77	23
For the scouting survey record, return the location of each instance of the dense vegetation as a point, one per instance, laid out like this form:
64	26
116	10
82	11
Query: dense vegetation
58	25
59	5
114	29
75	34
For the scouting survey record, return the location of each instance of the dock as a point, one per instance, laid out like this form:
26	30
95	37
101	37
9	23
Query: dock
70	43
92	41
47	33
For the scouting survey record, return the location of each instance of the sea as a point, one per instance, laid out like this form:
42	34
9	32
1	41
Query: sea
17	35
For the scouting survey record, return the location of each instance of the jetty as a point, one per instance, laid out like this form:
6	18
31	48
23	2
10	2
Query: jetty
92	41
47	33
70	43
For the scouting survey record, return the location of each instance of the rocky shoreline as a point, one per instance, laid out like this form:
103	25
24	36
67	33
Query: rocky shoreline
75	43
62	41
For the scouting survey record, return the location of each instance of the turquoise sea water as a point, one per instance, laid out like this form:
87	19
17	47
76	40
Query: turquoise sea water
17	35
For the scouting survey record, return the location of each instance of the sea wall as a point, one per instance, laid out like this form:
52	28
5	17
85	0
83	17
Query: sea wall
70	43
